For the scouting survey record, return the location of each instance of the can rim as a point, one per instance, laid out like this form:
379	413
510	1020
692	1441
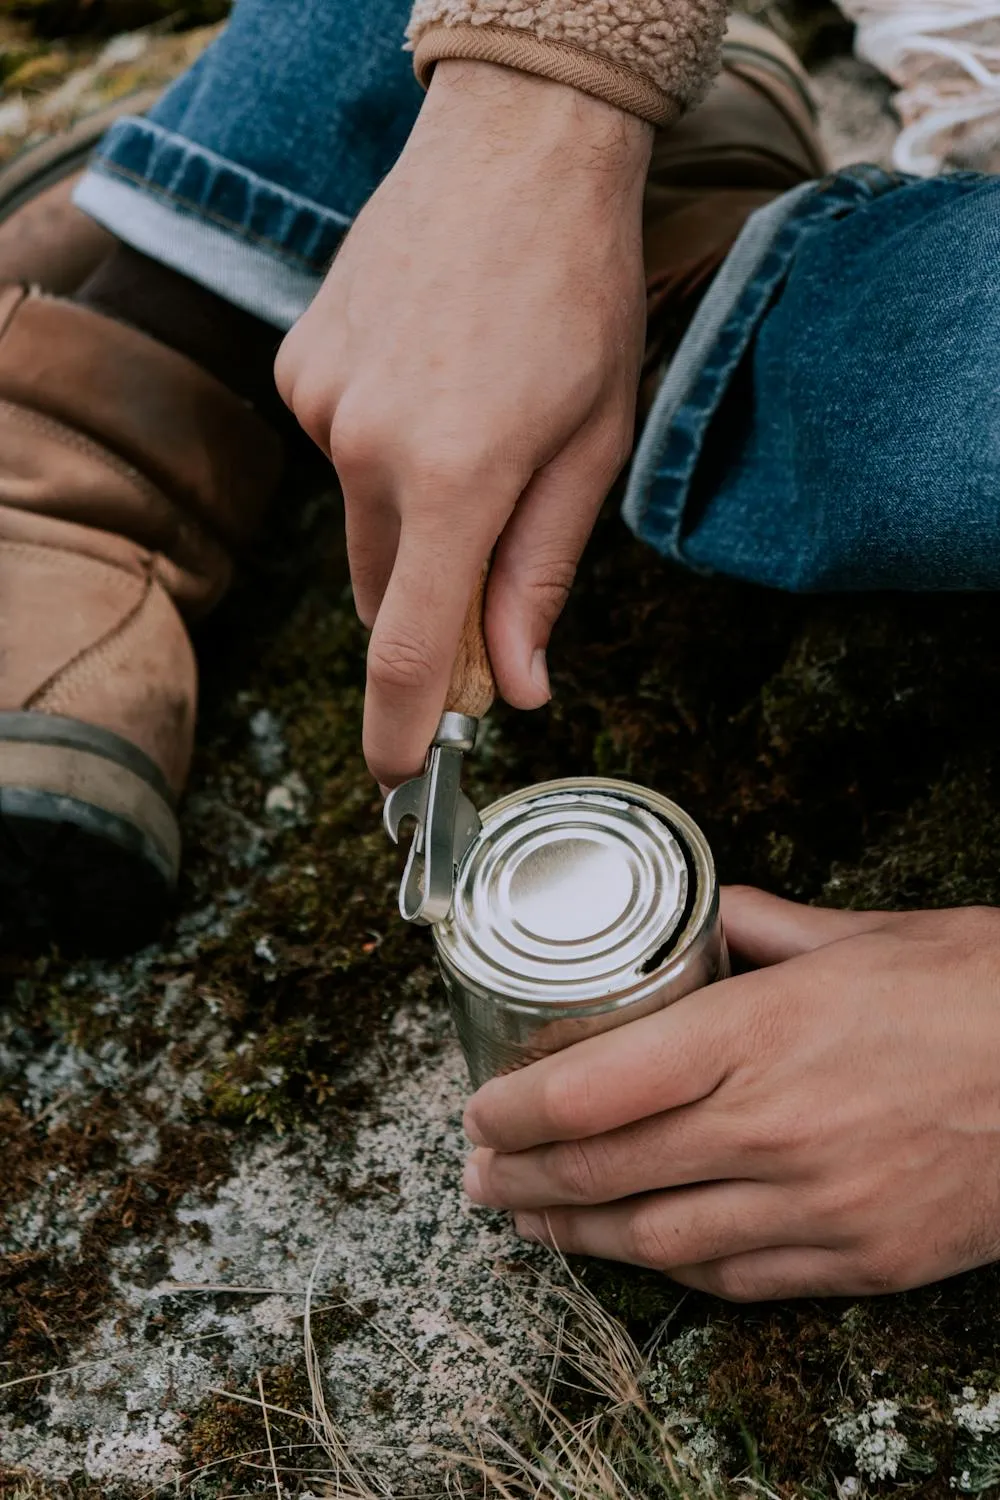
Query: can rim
702	917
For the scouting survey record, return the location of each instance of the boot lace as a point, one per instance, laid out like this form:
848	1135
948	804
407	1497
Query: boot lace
944	56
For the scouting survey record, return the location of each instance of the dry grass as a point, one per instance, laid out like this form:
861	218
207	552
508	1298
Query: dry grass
588	1435
617	1450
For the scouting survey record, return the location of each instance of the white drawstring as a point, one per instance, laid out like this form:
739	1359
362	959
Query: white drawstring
947	84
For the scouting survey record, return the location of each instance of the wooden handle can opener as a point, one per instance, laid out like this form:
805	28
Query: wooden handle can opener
446	823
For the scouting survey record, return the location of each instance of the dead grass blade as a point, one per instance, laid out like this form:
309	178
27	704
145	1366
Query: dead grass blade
350	1479
267	1433
618	1450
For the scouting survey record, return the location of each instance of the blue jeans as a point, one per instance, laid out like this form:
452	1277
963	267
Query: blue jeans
832	418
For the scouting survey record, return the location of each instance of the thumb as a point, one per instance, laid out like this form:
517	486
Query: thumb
534	566
765	929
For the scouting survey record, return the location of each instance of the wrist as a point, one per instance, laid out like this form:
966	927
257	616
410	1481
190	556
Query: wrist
518	114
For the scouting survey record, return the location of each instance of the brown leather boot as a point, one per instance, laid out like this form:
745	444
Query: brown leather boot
752	138
128	477
44	238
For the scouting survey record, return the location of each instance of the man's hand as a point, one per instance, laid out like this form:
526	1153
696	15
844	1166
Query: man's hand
470	366
826	1126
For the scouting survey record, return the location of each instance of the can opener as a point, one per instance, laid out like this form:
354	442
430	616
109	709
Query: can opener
446	823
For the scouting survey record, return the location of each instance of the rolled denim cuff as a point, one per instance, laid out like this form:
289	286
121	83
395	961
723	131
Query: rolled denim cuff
699	374
659	504
249	240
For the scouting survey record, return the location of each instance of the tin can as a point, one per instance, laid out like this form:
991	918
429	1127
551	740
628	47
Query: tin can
581	905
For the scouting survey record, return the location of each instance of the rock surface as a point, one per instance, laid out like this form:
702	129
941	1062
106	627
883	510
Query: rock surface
186	1134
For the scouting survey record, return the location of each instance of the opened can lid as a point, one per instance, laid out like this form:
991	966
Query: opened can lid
575	891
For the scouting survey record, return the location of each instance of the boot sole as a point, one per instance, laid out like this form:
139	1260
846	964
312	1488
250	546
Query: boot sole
89	841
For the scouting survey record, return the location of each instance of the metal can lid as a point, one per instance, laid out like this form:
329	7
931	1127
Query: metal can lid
575	891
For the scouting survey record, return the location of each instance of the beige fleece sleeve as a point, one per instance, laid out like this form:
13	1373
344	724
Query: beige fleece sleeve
652	58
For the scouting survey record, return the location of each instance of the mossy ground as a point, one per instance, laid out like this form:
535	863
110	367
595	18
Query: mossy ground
833	749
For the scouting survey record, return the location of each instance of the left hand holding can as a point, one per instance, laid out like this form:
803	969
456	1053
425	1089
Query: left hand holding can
826	1125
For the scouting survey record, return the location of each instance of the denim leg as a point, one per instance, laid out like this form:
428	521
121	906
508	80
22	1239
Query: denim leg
250	168
832	420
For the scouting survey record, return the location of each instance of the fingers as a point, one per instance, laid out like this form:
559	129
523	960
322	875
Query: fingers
372	533
413	598
765	929
775	1274
311	393
666	1151
419	620
413	648
681	1228
418	613
686	1051
358	456
537	555
656	1063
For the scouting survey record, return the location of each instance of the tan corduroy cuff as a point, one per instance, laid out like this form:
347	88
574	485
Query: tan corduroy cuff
561	61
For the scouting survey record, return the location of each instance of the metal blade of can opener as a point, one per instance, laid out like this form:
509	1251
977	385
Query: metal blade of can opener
445	822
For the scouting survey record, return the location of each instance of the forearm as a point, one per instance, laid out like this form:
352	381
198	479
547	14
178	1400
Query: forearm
651	58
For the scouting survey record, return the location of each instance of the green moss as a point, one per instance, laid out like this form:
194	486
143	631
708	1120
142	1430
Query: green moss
977	1468
226	1441
780	1377
49	1299
834	749
643	1300
941	852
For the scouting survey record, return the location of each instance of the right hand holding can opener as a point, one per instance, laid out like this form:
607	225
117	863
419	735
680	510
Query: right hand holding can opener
446	823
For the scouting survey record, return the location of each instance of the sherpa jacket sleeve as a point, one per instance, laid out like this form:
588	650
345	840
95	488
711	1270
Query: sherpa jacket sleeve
652	58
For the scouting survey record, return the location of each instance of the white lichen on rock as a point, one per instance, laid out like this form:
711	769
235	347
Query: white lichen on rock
677	1390
287	802
416	1250
267	742
979	1416
873	1438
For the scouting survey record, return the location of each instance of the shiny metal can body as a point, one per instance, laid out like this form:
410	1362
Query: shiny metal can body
581	905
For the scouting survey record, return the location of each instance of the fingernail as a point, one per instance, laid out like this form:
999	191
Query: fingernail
540	673
530	1227
472	1180
472	1131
